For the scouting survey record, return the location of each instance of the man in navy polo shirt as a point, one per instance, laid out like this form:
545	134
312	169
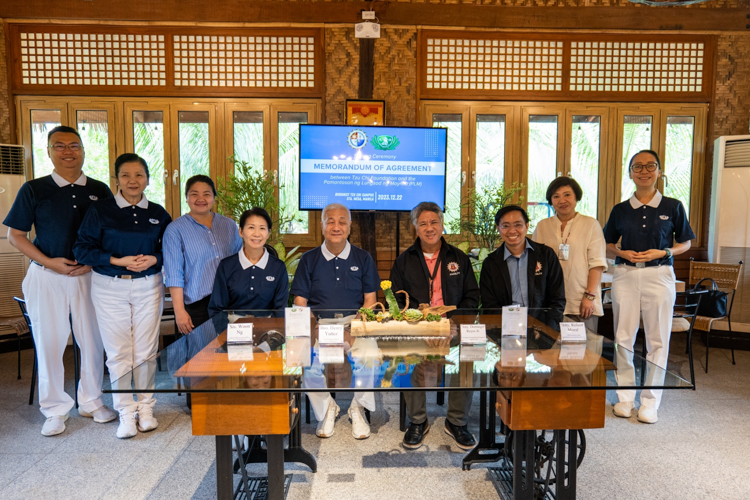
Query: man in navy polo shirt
57	288
337	275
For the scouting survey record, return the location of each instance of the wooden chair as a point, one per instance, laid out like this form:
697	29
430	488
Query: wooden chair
684	318
24	312
20	333
727	277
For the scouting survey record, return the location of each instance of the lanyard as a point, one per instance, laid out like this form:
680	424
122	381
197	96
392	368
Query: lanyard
431	278
569	225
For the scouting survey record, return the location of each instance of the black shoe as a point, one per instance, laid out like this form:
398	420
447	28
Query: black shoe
461	434
414	435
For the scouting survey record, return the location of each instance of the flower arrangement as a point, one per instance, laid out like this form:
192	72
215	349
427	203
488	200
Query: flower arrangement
394	313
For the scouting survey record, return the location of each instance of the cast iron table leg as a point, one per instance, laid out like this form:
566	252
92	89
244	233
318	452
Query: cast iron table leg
224	481
275	445
487	450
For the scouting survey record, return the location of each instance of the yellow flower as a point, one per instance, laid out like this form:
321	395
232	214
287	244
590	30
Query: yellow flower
385	285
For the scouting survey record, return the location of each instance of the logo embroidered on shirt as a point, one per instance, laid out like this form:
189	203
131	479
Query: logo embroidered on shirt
154	221
538	269
453	267
664	217
270	278
93	197
354	268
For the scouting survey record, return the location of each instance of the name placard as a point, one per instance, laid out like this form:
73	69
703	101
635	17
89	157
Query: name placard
331	334
297	321
240	333
472	353
473	334
333	354
572	332
572	351
515	319
240	352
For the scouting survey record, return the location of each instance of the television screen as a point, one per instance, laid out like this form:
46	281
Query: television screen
371	168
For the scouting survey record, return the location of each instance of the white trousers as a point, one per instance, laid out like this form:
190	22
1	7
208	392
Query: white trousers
648	292
56	303
129	316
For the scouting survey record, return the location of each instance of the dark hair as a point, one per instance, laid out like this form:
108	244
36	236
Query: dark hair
130	158
64	129
257	211
199	178
563	181
649	151
510	208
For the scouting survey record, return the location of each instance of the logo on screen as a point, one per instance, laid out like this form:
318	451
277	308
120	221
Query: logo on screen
385	142
357	139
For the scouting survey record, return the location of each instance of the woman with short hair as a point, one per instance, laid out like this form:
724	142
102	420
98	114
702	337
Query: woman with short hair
579	243
121	239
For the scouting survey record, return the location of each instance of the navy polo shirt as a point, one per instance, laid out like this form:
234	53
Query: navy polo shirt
643	227
55	208
115	228
328	281
241	285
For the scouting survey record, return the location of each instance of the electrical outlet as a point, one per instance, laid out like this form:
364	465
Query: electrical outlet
368	14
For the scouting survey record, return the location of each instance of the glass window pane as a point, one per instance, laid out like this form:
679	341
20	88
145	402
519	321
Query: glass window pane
490	153
194	144
42	121
454	124
289	173
248	138
94	129
636	135
148	143
678	161
584	160
542	165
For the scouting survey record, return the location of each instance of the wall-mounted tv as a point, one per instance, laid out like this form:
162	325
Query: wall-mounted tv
371	168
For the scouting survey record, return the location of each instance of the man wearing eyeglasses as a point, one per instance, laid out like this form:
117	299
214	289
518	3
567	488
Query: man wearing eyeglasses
522	272
56	287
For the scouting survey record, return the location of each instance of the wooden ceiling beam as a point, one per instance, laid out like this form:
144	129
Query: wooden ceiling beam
392	13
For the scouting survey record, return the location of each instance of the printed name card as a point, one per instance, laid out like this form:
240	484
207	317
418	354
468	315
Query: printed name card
514	321
573	332
331	334
513	351
472	353
572	351
240	352
297	321
473	334
240	333
331	354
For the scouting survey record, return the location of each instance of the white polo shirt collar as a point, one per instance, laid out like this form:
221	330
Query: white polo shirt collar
245	262
329	256
123	203
654	203
81	181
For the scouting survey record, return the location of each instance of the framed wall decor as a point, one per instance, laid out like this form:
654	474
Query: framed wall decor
365	112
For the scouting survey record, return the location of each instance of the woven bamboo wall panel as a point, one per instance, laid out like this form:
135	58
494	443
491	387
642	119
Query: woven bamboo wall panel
342	72
242	61
396	75
636	66
732	99
5	132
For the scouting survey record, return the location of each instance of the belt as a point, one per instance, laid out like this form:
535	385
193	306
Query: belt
645	264
37	263
127	277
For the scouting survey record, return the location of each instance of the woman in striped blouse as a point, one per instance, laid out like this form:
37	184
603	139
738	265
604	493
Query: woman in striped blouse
194	244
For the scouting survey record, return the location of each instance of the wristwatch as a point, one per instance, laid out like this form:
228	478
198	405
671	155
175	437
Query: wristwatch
589	295
669	253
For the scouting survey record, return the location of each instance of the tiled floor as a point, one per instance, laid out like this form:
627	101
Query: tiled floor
696	450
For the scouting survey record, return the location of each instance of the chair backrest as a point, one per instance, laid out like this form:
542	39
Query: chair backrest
24	311
725	275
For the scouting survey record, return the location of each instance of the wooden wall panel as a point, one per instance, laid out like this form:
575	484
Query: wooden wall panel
396	75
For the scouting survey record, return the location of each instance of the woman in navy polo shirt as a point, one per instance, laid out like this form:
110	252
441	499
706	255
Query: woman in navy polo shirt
121	239
653	228
252	278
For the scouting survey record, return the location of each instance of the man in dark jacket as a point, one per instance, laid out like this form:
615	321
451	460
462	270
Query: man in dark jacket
522	271
433	272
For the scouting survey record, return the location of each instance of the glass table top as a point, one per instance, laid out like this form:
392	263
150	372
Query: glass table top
389	357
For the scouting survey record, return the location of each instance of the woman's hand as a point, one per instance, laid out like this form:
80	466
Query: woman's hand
629	255
183	321
126	262
587	308
141	263
648	255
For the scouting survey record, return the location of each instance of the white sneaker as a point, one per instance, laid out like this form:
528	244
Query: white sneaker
101	415
325	426
623	409
127	428
360	427
146	420
647	414
54	425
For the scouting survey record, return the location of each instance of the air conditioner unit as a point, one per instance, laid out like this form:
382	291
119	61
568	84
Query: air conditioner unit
729	233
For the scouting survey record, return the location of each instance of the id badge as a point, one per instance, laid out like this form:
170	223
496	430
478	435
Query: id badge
563	251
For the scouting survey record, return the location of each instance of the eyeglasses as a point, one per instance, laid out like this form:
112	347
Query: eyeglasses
517	226
62	147
650	167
